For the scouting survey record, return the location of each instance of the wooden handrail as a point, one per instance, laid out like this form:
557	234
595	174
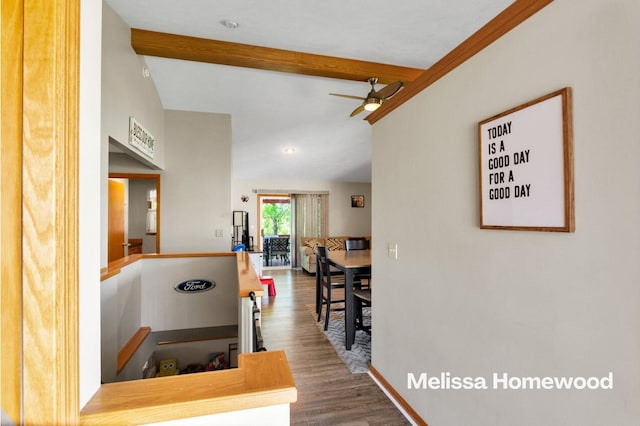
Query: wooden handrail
131	347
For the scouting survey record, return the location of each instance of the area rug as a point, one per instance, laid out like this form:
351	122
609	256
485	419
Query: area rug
358	359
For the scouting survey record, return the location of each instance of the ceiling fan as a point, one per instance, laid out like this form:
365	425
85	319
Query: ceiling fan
374	98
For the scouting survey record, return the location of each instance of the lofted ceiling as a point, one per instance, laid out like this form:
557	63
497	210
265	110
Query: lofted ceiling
274	72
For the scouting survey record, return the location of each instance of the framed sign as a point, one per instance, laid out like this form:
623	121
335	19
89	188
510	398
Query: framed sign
140	138
526	166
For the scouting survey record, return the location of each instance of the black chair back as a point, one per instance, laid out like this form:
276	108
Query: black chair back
356	244
276	246
323	271
321	253
279	245
321	256
325	286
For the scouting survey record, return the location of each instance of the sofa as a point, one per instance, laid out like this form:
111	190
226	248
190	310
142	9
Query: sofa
307	249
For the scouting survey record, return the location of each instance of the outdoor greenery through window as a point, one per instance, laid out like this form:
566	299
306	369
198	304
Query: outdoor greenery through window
276	217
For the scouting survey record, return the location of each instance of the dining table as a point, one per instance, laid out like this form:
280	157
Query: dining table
350	262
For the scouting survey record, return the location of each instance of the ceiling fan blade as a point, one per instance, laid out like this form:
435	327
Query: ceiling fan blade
357	110
389	90
360	98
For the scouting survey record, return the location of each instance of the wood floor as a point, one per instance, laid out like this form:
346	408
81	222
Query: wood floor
328	394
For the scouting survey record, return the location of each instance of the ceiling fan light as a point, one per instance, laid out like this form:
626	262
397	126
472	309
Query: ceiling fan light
372	104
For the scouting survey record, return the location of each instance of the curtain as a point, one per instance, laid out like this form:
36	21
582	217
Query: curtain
311	218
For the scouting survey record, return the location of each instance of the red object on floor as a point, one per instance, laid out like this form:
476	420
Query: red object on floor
271	289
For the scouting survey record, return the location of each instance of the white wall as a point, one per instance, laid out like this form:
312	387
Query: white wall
123	163
125	92
89	199
194	149
163	308
266	416
120	315
196	184
473	302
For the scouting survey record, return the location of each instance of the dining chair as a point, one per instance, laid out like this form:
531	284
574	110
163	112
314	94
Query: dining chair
326	287
361	298
359	244
356	244
280	248
276	247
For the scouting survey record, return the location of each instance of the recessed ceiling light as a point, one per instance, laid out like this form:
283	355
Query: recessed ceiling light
289	150
228	23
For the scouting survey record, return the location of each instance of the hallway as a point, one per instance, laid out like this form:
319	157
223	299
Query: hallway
328	394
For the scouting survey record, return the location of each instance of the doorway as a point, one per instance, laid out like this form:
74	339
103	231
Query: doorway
117	219
141	229
275	224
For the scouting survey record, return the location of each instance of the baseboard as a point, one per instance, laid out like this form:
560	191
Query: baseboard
395	397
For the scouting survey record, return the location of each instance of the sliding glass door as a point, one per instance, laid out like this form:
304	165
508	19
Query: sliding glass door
275	222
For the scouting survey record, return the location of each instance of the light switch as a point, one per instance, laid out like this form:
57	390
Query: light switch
393	250
218	233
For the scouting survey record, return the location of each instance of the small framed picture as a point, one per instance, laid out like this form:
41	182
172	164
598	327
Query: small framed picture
357	201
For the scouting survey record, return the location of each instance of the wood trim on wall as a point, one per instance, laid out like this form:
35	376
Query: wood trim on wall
386	386
11	21
508	19
50	212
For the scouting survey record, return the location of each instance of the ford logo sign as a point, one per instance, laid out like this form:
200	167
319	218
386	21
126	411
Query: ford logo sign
194	286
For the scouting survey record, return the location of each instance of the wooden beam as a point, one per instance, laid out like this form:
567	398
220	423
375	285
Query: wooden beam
508	19
176	46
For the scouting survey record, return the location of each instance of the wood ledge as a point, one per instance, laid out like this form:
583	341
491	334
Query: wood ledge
114	267
262	379
248	280
178	255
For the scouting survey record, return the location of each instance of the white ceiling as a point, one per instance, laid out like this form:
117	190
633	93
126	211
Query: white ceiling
271	110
